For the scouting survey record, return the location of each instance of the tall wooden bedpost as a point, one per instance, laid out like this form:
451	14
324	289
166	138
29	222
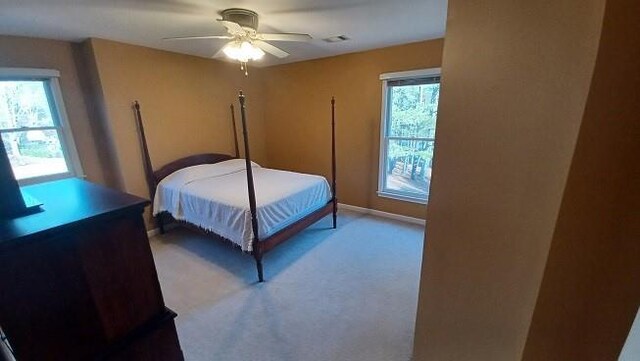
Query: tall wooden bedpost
257	248
235	132
146	160
333	161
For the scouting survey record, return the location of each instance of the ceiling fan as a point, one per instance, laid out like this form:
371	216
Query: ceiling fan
246	43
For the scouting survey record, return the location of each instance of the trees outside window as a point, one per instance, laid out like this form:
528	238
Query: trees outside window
410	109
32	127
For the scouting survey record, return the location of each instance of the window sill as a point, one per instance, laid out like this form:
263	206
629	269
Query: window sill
400	197
47	178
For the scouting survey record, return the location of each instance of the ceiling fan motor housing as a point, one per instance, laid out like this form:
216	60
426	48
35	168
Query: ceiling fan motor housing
246	18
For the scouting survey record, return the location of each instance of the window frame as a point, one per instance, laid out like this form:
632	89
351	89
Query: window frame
384	139
50	77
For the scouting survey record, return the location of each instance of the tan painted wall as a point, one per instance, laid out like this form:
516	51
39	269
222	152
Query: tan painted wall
591	290
185	105
297	112
20	52
515	82
94	96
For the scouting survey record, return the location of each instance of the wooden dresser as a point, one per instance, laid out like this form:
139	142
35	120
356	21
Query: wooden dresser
78	281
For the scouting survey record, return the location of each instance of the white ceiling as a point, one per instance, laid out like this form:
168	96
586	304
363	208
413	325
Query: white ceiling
369	23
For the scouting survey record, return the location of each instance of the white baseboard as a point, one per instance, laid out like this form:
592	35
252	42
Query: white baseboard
375	212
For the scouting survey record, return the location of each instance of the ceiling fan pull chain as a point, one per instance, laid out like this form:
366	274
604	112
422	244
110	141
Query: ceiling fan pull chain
244	66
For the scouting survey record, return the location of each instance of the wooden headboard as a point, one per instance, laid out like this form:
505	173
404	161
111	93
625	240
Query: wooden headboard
154	177
190	161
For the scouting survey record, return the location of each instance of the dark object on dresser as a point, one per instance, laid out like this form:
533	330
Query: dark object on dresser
78	281
12	204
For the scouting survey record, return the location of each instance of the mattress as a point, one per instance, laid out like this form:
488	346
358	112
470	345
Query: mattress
215	197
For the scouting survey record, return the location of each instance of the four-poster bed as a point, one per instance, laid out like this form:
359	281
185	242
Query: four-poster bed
208	192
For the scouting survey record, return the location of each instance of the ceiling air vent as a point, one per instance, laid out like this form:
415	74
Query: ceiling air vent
336	39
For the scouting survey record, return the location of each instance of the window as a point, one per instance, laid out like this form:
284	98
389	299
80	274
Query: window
33	126
409	112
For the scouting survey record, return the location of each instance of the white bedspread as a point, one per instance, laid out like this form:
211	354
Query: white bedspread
215	197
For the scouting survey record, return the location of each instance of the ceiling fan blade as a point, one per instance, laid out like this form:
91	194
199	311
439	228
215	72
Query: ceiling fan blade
271	49
285	37
199	37
220	53
234	28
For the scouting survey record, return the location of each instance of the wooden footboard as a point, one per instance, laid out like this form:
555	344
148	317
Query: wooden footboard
270	242
296	227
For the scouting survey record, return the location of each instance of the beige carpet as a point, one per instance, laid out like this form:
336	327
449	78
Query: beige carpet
345	294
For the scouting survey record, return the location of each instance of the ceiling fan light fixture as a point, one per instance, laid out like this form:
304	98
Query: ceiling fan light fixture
257	53
253	52
246	43
243	51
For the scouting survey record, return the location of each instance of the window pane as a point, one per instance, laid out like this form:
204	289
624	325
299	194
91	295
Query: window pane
413	110
24	104
34	153
408	168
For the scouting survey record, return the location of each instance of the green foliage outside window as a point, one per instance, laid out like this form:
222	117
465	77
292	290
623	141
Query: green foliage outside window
413	111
